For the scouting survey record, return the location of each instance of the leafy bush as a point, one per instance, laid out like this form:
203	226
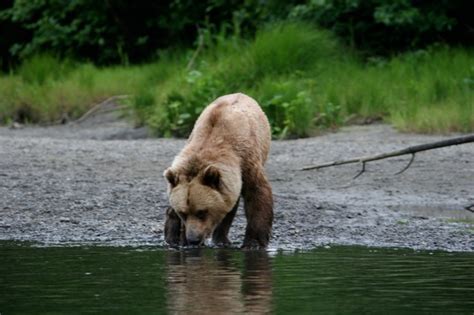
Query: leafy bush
386	26
183	104
284	51
288	106
111	32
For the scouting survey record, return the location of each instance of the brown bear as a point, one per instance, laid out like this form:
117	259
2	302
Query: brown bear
223	159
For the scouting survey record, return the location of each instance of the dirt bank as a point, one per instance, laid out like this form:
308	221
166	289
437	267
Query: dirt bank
90	183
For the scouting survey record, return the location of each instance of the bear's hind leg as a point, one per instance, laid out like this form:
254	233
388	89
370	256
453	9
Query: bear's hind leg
174	229
258	200
219	237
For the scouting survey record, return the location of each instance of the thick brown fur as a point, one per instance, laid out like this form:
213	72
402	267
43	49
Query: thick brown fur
223	159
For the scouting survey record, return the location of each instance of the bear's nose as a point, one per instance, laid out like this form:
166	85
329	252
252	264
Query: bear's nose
193	238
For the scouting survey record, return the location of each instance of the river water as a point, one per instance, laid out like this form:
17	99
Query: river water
337	280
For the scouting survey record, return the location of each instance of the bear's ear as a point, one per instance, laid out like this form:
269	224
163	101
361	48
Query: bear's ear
171	177
211	177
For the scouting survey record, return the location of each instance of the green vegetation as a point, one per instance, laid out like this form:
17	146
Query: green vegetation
276	69
46	90
311	65
385	27
111	32
302	77
425	91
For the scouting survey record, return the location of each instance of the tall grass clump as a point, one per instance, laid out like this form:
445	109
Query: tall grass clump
40	68
286	48
439	97
423	91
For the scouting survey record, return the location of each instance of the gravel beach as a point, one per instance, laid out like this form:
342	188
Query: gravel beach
100	182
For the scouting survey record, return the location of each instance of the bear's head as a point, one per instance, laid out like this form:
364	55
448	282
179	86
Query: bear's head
203	197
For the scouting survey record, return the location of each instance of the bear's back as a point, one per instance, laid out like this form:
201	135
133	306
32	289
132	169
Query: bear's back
234	120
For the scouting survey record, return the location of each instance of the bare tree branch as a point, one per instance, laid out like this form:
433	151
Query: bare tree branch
408	165
97	107
410	150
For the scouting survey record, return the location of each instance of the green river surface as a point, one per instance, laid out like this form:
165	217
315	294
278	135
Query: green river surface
336	280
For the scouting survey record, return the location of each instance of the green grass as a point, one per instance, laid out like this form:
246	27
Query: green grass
34	95
302	77
432	91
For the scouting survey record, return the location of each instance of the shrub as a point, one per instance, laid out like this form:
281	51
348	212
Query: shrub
288	105
183	104
284	51
364	24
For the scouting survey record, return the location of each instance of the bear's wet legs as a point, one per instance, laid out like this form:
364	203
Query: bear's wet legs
219	237
258	201
174	229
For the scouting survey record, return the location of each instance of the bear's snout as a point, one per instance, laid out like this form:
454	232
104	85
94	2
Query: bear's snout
193	238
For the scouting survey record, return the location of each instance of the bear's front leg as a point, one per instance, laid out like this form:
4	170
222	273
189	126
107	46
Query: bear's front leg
258	200
219	237
175	234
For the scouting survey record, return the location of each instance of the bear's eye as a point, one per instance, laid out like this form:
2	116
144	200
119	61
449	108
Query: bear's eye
201	214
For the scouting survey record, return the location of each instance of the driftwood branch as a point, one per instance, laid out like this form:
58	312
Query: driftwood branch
410	150
98	106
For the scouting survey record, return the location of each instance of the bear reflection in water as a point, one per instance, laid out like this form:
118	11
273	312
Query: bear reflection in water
215	282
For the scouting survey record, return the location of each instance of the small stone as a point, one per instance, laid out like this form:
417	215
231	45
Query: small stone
16	125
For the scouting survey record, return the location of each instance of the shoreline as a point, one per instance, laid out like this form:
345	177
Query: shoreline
86	184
